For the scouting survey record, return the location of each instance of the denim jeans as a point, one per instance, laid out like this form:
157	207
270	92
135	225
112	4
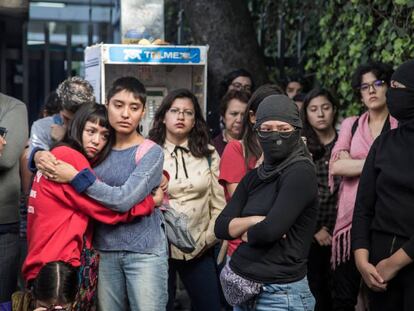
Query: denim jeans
295	296
9	264
140	280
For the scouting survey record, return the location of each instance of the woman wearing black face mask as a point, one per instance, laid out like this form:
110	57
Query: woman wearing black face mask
273	210
383	223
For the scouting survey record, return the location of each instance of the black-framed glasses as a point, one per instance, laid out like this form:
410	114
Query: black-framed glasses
188	114
268	133
365	87
238	86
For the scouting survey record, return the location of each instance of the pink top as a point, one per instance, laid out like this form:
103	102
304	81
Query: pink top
232	170
358	147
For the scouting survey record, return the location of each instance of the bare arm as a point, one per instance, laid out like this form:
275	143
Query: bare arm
346	166
231	187
240	225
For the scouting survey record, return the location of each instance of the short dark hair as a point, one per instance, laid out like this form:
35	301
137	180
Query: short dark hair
198	138
52	105
73	137
315	146
242	96
229	77
129	84
294	78
381	71
56	281
74	92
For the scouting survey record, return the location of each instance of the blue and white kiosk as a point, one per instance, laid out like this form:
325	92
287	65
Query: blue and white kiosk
160	68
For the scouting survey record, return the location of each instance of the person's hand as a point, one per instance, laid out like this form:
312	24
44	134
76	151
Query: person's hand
57	132
323	237
158	196
371	277
45	162
64	172
164	183
344	155
386	269
3	142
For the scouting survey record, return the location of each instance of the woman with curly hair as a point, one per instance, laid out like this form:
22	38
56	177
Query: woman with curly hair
370	83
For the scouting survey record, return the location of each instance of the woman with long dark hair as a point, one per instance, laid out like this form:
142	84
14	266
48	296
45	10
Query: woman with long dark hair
320	113
193	189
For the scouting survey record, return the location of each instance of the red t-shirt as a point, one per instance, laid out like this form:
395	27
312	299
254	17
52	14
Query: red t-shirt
232	170
58	217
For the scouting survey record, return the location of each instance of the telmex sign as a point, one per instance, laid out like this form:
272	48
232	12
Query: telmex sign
154	55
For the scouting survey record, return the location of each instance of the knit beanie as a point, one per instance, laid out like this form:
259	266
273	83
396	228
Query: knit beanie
280	108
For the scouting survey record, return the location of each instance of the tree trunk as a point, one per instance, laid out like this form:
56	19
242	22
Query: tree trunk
226	26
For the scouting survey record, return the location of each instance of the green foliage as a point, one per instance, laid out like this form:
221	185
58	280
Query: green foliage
340	35
356	32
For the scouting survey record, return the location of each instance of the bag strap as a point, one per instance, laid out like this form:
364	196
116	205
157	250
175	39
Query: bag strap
209	160
354	127
143	149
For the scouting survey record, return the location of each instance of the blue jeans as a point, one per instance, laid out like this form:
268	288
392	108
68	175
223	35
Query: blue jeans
9	264
140	280
295	296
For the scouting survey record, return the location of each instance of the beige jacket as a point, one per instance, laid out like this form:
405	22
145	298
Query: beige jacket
199	194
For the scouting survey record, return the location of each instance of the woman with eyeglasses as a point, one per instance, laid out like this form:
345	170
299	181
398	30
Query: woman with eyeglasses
275	223
232	109
370	83
193	189
383	222
239	79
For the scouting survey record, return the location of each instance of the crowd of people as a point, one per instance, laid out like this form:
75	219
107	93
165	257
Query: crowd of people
285	211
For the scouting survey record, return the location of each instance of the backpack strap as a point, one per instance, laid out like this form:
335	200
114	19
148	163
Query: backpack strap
143	149
354	127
